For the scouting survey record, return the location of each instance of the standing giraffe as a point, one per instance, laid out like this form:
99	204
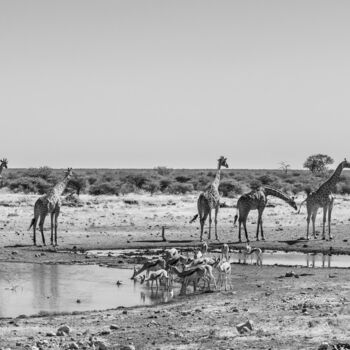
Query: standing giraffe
3	164
210	199
50	203
323	198
257	199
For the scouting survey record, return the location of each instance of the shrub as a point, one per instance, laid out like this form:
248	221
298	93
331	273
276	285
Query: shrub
266	179
182	179
162	170
230	188
164	184
78	183
29	185
91	180
255	184
136	179
344	188
42	172
105	188
152	186
177	188
127	188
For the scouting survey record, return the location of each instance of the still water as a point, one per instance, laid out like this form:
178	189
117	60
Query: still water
33	288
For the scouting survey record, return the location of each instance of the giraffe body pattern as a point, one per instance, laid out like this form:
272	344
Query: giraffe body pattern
50	203
209	200
257	200
323	198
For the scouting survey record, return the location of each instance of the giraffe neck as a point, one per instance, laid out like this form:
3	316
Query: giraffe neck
332	181
60	187
269	191
216	181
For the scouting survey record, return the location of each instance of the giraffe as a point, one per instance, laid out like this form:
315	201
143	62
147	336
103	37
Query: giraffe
257	199
323	198
210	199
50	203
3	164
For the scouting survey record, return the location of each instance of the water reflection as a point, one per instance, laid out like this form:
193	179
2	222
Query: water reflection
31	288
313	260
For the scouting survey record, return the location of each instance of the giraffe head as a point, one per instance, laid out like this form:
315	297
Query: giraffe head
69	173
223	162
345	163
3	163
292	203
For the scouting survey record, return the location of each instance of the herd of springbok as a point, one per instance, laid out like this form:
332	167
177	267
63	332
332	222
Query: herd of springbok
191	270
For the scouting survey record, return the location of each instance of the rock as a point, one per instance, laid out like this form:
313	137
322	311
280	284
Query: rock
324	346
100	345
105	332
63	330
114	327
185	313
125	312
50	334
245	327
73	346
127	347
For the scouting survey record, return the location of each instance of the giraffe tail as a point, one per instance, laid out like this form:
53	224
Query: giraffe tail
301	205
194	218
31	224
235	220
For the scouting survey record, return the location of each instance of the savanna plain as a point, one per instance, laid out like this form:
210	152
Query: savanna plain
288	307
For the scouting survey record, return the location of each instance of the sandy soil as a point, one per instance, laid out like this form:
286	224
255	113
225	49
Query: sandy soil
287	312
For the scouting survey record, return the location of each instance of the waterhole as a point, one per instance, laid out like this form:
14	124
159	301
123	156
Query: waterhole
38	288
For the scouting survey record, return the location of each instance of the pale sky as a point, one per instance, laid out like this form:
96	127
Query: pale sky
120	84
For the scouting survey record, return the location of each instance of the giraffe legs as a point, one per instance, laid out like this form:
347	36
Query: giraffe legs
245	230
51	216
210	221
260	222
57	212
202	222
313	218
41	226
216	222
330	208
324	221
34	230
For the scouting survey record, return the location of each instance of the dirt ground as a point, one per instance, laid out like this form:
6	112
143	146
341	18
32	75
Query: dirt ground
298	312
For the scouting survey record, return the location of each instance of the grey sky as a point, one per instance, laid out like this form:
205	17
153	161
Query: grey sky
176	83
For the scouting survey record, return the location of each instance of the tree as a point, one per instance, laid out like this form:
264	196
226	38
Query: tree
317	163
284	166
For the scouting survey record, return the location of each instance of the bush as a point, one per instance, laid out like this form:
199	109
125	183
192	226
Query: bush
44	172
127	188
152	187
266	179
162	170
182	179
105	188
164	184
255	184
29	185
230	188
344	188
91	180
136	179
78	184
179	188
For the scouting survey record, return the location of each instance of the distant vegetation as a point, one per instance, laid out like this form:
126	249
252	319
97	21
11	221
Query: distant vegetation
165	180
